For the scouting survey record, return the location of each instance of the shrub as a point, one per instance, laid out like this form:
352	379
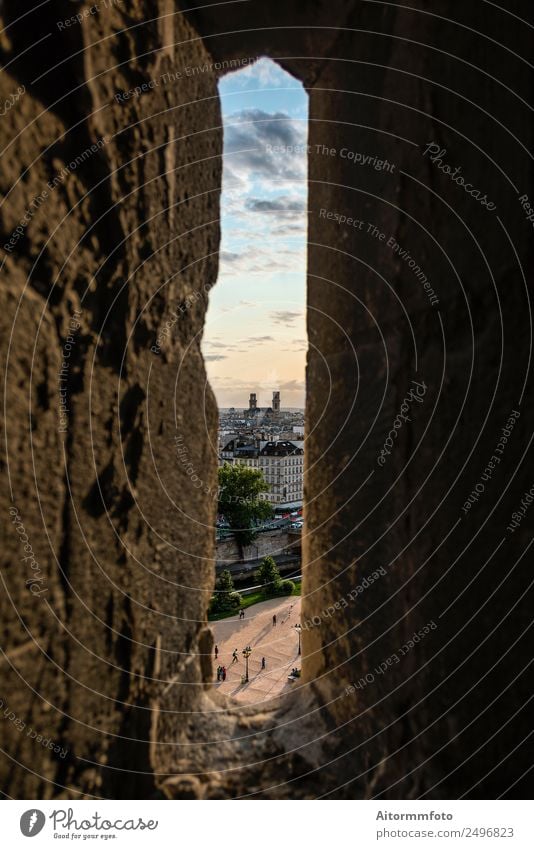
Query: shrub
285	588
224	603
235	600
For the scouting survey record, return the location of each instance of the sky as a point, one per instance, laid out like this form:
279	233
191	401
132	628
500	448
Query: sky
255	336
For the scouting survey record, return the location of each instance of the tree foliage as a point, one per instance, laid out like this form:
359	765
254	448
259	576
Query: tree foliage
240	488
269	576
225	597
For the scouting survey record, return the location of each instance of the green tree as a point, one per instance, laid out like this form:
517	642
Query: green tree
240	488
269	576
225	597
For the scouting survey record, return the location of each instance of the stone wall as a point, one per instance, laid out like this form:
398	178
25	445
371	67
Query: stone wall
123	539
267	543
108	657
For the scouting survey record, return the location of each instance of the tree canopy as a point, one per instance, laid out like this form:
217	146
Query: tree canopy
225	597
240	488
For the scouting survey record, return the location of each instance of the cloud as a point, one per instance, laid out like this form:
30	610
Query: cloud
275	128
262	261
256	340
297	346
282	205
262	74
285	317
231	382
222	345
228	257
289	228
249	136
292	386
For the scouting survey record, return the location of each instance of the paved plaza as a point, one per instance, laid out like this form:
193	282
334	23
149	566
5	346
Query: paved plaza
278	644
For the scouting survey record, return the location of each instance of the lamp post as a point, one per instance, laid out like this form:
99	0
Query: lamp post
298	629
246	654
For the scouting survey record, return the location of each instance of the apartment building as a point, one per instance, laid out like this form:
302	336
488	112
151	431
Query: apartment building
282	464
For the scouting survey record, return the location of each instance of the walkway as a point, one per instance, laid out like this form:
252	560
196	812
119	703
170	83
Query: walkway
278	644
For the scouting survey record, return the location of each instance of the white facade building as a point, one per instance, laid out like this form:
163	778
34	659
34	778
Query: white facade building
282	464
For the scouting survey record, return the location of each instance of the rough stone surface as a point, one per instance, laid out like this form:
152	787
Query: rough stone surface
110	661
126	238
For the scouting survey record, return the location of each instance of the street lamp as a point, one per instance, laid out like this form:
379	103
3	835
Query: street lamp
246	654
298	629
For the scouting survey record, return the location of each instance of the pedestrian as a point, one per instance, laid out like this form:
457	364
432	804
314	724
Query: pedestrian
216	652
263	663
274	619
224	673
218	673
234	656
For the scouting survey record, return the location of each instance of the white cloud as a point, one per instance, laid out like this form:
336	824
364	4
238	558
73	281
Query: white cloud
285	317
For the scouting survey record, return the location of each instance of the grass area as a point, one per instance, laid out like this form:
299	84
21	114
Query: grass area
250	599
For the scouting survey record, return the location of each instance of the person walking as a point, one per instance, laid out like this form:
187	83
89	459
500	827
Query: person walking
216	652
224	673
274	619
263	663
218	673
234	656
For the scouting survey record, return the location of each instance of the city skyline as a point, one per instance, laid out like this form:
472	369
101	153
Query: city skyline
255	335
264	400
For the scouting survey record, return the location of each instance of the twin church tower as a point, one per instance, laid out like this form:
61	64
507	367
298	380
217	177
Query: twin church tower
253	403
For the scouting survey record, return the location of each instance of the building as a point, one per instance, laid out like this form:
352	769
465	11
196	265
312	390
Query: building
264	413
282	464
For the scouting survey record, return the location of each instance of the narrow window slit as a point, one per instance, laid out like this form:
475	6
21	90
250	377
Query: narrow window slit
254	346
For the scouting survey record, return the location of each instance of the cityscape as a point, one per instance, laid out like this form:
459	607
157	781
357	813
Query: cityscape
254	346
259	578
270	439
